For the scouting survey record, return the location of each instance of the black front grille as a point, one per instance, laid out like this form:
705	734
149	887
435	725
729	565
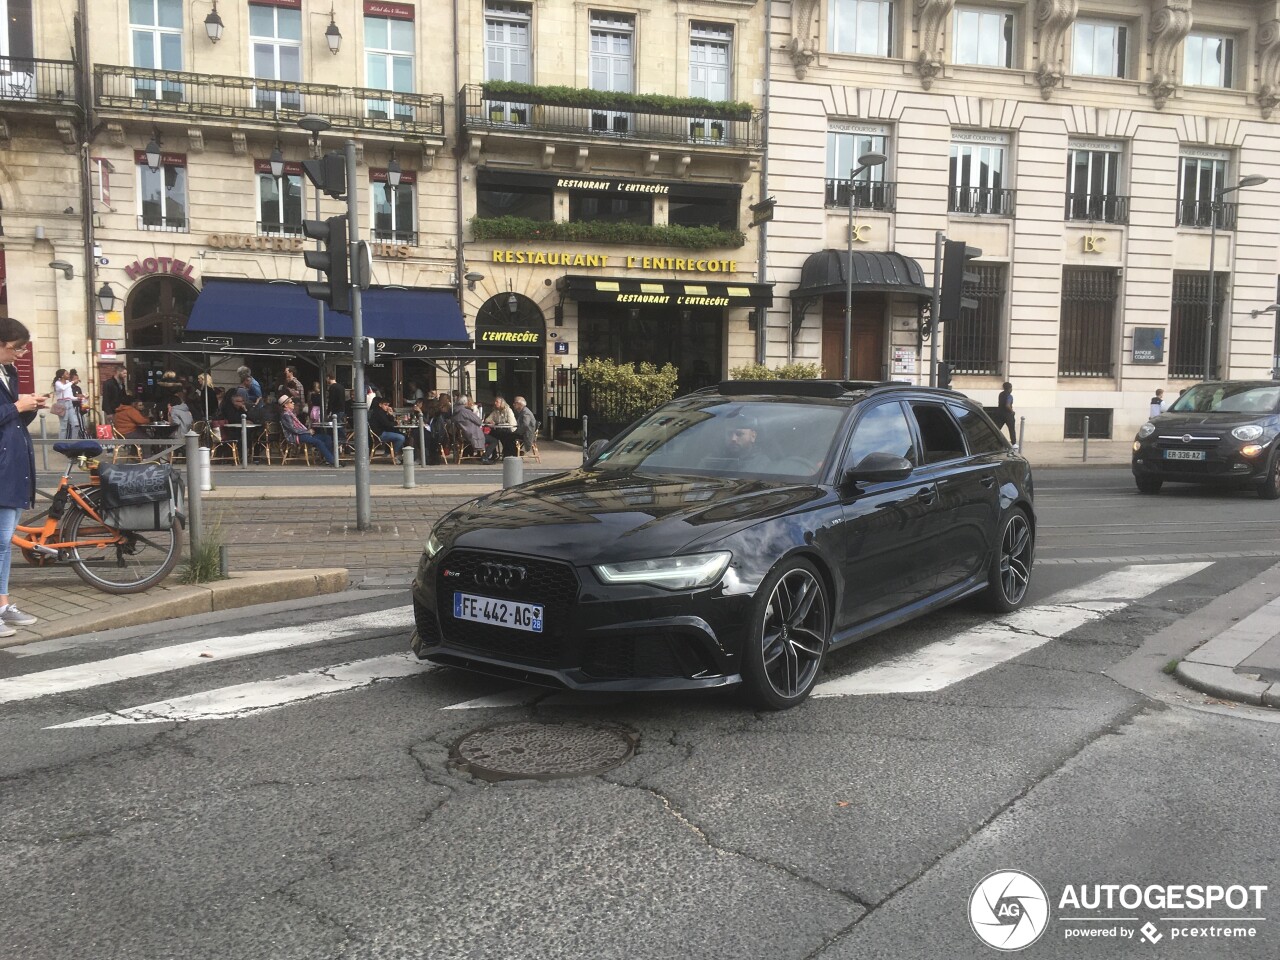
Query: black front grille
506	576
631	656
1195	443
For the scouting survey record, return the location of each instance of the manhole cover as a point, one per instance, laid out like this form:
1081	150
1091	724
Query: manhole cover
543	751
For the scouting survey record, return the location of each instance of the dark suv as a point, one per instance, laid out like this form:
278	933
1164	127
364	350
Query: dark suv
1215	433
731	537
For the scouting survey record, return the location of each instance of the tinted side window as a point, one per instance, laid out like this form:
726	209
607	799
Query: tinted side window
939	436
982	437
882	429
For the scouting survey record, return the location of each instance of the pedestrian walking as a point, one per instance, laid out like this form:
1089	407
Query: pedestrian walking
1004	410
1157	404
17	461
65	407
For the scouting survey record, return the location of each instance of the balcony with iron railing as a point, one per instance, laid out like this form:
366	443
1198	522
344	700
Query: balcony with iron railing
537	113
267	228
981	201
1197	213
25	80
171	93
149	221
1097	208
867	194
382	235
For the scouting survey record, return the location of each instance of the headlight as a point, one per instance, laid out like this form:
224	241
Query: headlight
433	545
669	573
1146	430
1250	431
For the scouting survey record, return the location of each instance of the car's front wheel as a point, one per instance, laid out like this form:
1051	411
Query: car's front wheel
1269	488
788	640
1009	574
1148	485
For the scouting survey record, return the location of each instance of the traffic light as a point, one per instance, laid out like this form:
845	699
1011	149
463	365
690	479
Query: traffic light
955	256
331	261
328	173
944	375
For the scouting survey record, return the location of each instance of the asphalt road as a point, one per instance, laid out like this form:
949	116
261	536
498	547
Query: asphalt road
312	822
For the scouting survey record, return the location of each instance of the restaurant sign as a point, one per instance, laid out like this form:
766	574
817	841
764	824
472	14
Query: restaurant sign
552	258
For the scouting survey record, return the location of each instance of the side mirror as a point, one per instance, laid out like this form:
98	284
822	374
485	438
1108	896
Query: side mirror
879	468
596	448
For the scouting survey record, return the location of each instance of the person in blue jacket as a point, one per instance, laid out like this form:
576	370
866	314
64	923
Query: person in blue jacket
17	460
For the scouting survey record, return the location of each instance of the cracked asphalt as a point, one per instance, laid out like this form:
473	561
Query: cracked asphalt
852	827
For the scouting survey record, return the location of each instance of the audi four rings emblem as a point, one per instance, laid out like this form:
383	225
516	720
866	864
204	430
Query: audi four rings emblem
500	575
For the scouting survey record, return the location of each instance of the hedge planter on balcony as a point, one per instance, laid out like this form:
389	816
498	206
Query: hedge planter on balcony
594	231
620	102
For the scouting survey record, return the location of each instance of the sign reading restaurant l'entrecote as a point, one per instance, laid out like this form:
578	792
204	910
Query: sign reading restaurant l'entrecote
606	261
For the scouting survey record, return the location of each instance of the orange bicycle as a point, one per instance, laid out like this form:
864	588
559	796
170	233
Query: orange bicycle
72	530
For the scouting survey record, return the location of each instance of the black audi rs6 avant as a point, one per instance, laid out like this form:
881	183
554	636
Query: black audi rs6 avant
733	536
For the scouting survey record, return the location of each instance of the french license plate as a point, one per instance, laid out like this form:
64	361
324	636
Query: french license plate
1184	454
499	613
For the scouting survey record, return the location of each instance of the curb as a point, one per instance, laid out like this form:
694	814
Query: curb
1212	668
240	590
1226	684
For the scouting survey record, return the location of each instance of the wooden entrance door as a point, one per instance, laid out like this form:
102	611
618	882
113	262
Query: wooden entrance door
866	356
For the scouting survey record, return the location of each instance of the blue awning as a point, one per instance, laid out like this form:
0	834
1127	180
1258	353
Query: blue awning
254	312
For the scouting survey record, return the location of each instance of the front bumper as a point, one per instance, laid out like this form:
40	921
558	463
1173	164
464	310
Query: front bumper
1222	464
594	638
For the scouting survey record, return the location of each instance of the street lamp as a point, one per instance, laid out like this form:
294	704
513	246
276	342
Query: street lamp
106	298
865	162
277	162
1253	180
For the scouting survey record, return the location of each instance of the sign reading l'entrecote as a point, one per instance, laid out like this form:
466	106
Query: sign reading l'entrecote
396	11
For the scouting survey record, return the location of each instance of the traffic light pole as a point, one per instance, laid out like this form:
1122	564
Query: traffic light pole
359	402
935	311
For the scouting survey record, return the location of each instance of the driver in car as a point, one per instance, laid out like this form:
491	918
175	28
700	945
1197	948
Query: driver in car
740	447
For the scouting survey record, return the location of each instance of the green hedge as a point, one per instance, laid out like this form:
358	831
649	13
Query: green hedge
609	100
796	370
595	231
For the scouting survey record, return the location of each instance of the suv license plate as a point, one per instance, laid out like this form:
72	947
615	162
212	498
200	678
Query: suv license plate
499	613
1184	454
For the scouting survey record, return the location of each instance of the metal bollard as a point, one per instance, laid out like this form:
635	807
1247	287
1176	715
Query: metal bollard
422	442
1086	438
44	450
406	460
512	471
584	438
206	482
194	506
333	425
244	442
1022	433
224	560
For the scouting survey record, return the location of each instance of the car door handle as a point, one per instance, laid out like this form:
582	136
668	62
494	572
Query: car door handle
988	482
927	495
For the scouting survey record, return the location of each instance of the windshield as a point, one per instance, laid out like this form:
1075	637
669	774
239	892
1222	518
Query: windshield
778	439
1229	398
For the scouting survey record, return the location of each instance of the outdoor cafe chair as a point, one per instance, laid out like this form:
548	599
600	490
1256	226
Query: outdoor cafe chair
226	446
381	448
124	451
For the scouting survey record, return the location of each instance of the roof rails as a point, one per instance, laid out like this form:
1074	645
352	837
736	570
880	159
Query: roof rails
803	388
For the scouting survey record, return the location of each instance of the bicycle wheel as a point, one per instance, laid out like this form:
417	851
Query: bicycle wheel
132	562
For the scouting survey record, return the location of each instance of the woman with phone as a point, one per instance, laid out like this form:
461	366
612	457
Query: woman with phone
17	460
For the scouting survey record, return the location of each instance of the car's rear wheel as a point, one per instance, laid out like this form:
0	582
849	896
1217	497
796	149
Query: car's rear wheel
1269	488
1148	485
789	636
1009	574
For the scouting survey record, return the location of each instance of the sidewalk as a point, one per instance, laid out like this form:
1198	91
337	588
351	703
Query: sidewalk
1243	662
291	533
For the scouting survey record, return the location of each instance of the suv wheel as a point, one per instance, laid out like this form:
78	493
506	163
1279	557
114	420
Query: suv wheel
1269	488
1148	485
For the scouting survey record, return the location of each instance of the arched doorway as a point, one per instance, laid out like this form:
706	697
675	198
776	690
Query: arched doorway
155	318
511	335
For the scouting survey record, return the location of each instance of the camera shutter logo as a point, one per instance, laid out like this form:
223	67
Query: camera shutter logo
1009	910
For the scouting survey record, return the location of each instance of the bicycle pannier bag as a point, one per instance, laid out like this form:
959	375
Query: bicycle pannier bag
140	496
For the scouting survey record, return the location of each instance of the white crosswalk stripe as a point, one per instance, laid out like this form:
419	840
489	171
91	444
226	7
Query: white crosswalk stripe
969	653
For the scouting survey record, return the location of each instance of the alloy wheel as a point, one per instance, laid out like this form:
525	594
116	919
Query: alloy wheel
1015	558
794	634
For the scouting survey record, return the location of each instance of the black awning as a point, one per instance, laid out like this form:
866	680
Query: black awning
672	293
873	272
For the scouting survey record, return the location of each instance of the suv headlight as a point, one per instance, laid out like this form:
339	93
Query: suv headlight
1146	430
669	573
1250	431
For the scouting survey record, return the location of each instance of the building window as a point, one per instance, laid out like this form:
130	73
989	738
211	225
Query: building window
507	54
1187	318
861	26
983	37
1093	185
1099	426
710	58
275	34
162	193
610	208
388	58
1202	175
393	208
973	340
1085	330
696	207
155	35
1208	60
1099	49
977	177
514	200
612	66
845	144
279	200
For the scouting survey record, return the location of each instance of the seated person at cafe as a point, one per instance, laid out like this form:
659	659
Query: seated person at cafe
296	432
526	423
382	421
179	416
503	420
438	430
469	423
129	421
233	406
